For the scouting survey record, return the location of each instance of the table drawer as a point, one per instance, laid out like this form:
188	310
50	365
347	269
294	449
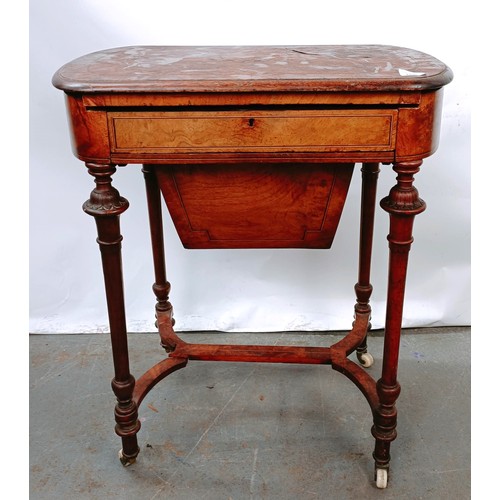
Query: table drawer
255	205
252	131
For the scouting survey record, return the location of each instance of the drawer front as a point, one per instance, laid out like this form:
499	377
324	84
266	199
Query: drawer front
252	131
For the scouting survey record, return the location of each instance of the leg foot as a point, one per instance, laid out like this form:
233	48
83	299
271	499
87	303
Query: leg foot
126	461
381	478
365	359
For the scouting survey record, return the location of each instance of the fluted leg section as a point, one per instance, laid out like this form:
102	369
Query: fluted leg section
402	204
161	286
105	205
363	287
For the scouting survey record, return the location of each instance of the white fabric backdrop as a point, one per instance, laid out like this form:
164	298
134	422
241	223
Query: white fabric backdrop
242	290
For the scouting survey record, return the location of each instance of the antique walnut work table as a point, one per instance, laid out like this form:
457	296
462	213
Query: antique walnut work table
254	147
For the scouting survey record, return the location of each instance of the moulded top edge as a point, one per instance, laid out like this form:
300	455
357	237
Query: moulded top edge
319	68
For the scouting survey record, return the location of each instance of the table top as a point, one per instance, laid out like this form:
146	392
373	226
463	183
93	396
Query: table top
323	68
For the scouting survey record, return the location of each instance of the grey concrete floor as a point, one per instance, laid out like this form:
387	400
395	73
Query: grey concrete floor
248	431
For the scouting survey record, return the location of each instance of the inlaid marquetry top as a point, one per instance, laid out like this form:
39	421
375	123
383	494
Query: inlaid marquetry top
358	68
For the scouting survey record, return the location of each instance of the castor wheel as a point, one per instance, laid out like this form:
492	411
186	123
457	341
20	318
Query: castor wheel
365	359
381	478
126	461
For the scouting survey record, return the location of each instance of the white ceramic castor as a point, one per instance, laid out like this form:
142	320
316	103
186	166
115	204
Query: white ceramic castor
381	478
366	359
126	461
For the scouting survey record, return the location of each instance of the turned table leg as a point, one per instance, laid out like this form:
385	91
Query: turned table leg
161	286
105	205
363	287
402	204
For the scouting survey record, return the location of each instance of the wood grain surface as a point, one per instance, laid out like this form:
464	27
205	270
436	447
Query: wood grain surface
253	68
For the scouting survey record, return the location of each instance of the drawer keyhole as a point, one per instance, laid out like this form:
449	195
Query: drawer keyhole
251	122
